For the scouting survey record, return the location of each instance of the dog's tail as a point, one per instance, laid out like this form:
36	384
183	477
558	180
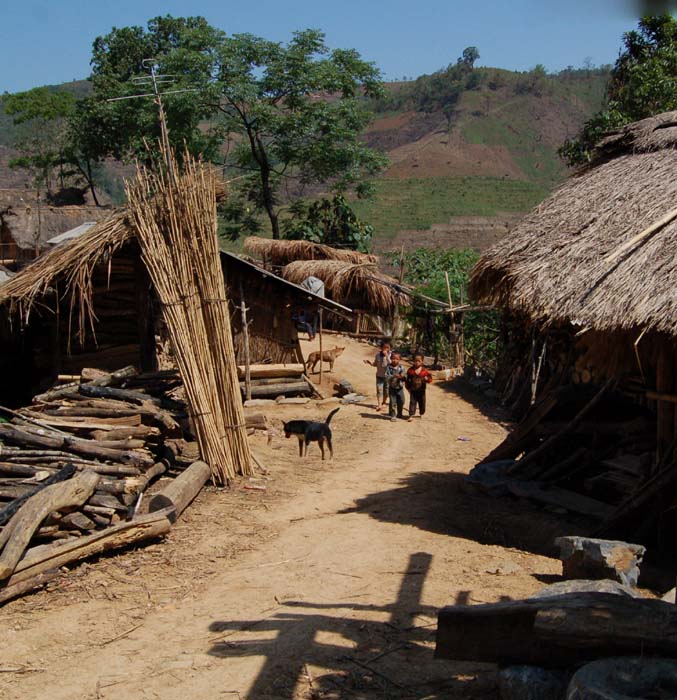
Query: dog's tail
329	417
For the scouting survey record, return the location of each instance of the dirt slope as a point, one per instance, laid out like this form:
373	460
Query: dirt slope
325	585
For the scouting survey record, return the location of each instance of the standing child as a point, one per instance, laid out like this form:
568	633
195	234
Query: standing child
418	378
381	362
395	377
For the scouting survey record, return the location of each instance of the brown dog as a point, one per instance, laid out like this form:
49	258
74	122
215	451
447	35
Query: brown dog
327	356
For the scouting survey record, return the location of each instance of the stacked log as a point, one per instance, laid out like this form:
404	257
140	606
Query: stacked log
75	463
271	381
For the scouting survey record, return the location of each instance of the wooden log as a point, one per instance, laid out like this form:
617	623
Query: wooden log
557	632
78	445
77	521
43	558
8	511
106	500
561	498
30	584
105	392
16	535
142	432
280	389
523	464
115	378
181	491
65	391
100	510
84	424
522	435
256	420
110	417
262	371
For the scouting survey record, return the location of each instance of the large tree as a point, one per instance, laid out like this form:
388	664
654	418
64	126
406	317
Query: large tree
275	116
643	83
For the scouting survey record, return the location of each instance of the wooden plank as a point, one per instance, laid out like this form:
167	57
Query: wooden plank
557	632
562	498
279	370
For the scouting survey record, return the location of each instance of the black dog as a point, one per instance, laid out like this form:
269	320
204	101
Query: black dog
308	431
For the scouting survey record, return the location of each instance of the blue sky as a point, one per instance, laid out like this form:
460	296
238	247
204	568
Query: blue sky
49	41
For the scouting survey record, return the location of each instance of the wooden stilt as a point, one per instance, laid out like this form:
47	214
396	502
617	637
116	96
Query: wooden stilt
321	362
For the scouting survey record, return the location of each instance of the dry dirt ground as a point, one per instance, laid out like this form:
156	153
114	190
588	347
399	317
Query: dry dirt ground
324	585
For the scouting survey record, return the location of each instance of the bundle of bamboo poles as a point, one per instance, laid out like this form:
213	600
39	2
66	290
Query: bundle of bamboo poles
174	213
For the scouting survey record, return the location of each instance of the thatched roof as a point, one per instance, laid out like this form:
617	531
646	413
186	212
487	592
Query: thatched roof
74	264
280	253
554	267
359	286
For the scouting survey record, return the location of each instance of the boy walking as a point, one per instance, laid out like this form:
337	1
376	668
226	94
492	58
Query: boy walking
395	377
418	378
381	362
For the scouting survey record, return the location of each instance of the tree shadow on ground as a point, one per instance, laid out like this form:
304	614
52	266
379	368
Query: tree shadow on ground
444	503
338	650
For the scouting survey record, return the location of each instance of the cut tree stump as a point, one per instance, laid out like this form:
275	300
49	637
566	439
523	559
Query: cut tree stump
559	631
178	494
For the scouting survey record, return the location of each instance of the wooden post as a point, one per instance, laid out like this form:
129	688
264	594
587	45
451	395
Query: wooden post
321	363
665	410
245	339
452	359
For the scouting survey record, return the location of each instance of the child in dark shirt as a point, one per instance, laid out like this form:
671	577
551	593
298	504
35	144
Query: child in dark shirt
395	376
418	378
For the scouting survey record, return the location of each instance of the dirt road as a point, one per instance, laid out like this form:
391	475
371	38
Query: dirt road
325	585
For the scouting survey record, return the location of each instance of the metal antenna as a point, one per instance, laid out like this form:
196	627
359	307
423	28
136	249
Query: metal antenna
156	80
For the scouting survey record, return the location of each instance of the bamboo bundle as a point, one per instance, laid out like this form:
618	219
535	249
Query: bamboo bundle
175	219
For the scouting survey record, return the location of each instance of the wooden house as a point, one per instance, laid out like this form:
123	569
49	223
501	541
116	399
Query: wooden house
89	302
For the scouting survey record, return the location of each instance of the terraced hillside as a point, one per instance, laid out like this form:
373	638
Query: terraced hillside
487	149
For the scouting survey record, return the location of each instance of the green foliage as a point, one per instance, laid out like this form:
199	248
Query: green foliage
418	203
424	270
288	115
39	117
643	83
329	221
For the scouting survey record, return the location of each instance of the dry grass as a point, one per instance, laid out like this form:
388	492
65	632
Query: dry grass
359	286
552	266
175	220
280	253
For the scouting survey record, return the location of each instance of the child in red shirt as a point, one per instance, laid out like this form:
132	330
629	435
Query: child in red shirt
418	378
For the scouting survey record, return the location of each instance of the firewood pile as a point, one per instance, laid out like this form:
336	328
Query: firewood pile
75	465
587	450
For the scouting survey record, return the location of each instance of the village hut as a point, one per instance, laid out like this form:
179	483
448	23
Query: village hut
89	302
27	223
588	283
278	253
374	296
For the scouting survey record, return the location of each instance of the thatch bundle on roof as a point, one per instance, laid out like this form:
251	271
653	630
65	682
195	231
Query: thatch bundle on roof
76	262
556	266
360	286
280	253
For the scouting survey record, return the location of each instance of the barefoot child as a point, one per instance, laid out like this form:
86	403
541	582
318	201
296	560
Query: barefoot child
381	362
395	377
418	378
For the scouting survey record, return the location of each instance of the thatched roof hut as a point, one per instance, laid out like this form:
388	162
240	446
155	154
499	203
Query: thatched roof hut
564	261
26	224
360	286
279	253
